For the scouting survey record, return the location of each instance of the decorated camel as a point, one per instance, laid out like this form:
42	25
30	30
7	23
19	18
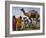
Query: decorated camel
31	14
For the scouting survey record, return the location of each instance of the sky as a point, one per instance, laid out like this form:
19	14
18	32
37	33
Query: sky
17	12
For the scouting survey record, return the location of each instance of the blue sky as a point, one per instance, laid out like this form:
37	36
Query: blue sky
17	12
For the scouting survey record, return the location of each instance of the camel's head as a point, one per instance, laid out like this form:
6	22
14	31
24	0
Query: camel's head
22	10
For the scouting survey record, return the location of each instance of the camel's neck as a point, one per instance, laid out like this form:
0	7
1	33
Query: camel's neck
23	10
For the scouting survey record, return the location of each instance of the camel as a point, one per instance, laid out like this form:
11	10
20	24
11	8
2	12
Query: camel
31	14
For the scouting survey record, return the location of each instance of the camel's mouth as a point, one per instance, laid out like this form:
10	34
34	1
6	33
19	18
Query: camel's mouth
21	9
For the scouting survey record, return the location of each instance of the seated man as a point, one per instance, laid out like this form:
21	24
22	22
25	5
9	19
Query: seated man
19	23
